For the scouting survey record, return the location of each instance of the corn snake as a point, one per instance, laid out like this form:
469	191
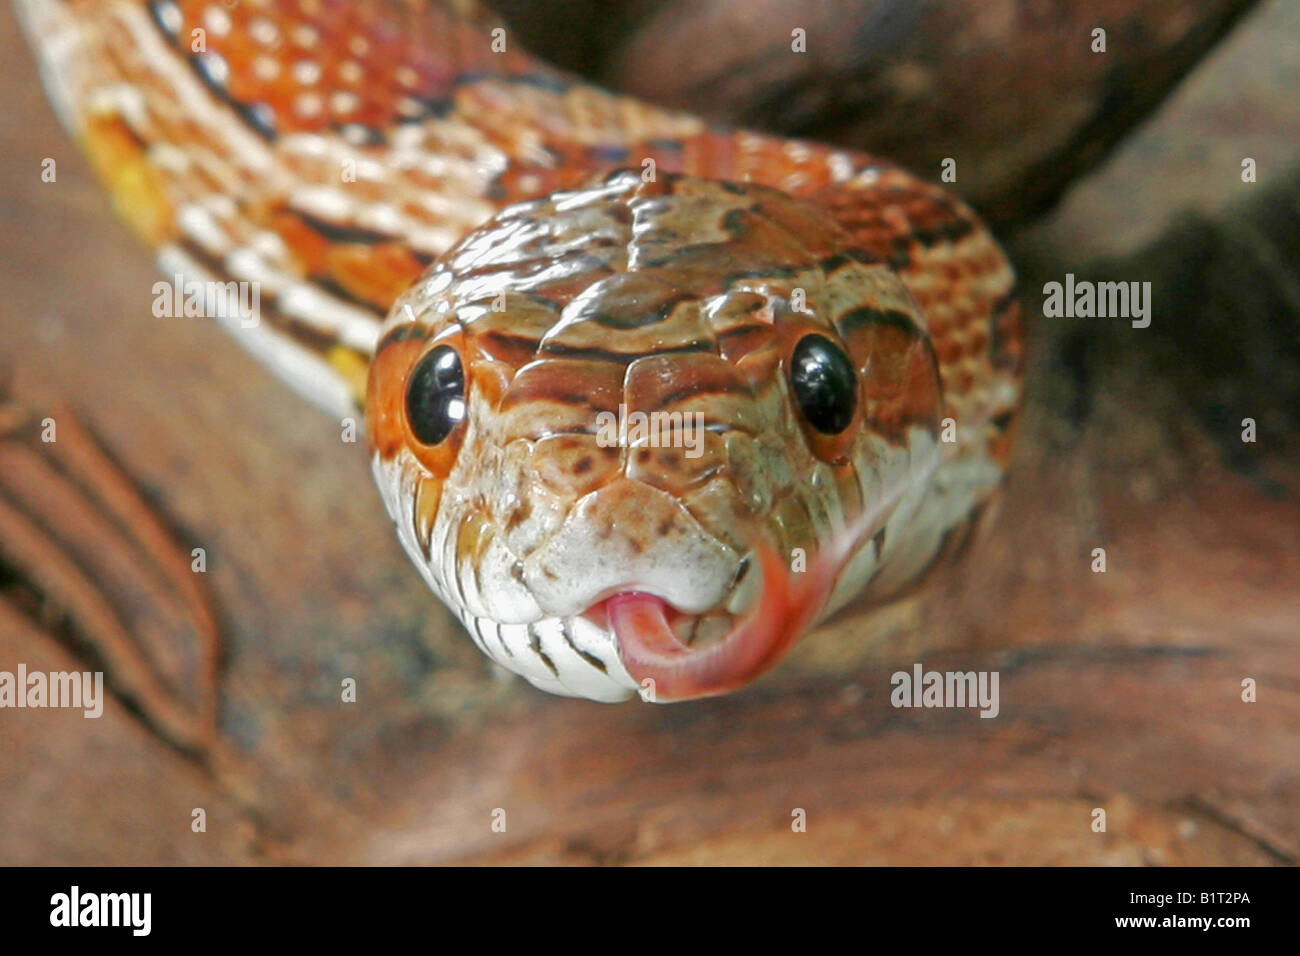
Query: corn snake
547	254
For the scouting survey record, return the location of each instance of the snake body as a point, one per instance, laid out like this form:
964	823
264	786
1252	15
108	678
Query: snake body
549	257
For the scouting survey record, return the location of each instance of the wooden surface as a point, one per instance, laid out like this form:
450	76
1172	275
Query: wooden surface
1011	90
1118	690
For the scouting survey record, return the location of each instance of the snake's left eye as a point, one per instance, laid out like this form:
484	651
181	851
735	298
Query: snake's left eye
435	395
825	385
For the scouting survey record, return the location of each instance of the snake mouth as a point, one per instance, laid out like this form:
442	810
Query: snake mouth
670	669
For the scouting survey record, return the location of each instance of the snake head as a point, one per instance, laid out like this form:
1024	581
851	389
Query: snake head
640	435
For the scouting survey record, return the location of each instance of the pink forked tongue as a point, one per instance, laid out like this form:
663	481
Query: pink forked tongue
788	602
650	650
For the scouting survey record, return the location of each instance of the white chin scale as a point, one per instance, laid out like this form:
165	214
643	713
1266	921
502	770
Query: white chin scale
567	656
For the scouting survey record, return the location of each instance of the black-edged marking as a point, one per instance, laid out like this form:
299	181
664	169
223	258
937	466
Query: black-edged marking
337	233
535	642
634	318
587	656
623	358
161	11
405	332
999	354
865	315
475	632
260	117
958	227
300	332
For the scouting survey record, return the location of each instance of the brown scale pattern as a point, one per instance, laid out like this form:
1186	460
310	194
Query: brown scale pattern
690	311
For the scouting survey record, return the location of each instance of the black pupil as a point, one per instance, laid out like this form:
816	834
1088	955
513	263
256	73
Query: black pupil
824	384
435	395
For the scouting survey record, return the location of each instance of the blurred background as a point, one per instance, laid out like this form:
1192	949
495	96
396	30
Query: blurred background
1119	690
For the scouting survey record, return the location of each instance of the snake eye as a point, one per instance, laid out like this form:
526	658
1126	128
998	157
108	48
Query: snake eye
824	384
435	395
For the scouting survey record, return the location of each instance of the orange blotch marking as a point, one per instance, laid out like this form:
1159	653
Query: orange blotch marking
137	187
376	274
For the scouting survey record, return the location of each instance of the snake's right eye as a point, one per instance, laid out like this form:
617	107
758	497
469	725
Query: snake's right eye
824	382
435	395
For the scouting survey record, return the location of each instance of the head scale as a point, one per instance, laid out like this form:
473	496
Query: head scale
636	405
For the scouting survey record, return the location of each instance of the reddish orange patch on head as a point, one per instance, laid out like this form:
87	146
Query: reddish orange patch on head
901	386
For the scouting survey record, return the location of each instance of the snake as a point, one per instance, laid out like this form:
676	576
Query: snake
646	397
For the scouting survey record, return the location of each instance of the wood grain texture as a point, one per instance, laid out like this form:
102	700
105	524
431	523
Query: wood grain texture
1010	89
1118	691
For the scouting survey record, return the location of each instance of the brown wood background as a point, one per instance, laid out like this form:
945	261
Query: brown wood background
1119	691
